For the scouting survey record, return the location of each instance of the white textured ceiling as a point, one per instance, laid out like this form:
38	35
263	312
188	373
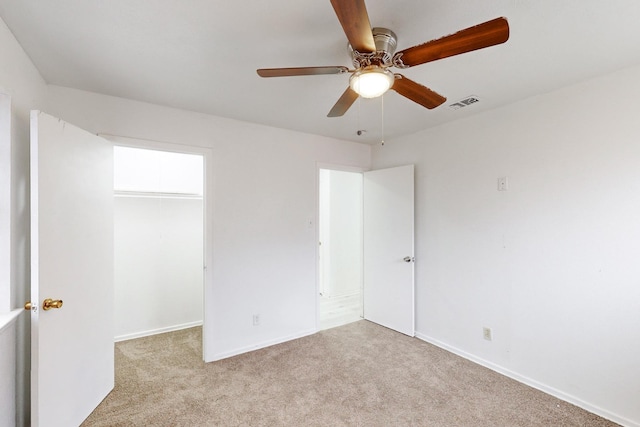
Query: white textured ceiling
201	55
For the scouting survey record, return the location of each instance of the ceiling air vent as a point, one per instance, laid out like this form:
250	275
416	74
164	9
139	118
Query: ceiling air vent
464	102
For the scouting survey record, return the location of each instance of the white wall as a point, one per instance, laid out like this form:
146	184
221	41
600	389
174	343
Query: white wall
158	246
5	206
551	265
19	79
265	207
7	371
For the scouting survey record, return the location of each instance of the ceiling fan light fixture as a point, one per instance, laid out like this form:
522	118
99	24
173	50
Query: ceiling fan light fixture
371	82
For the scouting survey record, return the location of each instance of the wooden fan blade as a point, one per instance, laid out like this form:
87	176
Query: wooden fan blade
300	71
417	93
484	35
354	19
346	100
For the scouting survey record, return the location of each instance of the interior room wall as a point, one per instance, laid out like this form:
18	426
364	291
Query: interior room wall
549	265
264	184
5	207
21	80
7	314
8	374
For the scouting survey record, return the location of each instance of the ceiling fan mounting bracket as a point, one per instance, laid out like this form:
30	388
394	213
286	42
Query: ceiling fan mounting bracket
386	42
397	61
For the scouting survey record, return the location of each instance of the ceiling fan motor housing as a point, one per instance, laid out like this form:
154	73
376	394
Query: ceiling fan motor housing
386	42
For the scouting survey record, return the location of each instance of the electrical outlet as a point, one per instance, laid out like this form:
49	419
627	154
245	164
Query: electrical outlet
486	333
256	320
503	183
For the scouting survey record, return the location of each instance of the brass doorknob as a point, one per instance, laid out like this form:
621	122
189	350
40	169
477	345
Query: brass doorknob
49	303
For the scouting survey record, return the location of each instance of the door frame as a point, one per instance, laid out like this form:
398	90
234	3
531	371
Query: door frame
335	167
207	154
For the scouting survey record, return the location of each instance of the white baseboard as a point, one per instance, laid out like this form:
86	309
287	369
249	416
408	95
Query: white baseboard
530	382
157	331
264	344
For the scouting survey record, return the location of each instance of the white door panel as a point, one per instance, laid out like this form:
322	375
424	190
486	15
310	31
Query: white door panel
72	260
388	240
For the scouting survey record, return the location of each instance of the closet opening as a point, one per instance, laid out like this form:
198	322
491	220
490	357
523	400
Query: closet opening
158	241
340	252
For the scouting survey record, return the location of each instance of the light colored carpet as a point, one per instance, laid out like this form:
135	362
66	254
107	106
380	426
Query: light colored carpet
359	374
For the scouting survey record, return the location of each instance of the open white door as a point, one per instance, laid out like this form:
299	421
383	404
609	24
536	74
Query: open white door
72	356
388	248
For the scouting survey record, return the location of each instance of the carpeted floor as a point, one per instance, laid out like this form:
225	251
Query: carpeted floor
360	374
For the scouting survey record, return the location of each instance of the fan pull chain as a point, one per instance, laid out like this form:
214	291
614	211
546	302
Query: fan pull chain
382	119
359	128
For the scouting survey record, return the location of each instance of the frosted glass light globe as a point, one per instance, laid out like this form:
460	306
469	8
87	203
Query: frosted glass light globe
371	82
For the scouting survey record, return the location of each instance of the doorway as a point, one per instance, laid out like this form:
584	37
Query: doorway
340	253
158	241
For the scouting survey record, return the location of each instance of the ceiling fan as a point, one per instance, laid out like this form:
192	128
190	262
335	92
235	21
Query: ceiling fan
373	52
